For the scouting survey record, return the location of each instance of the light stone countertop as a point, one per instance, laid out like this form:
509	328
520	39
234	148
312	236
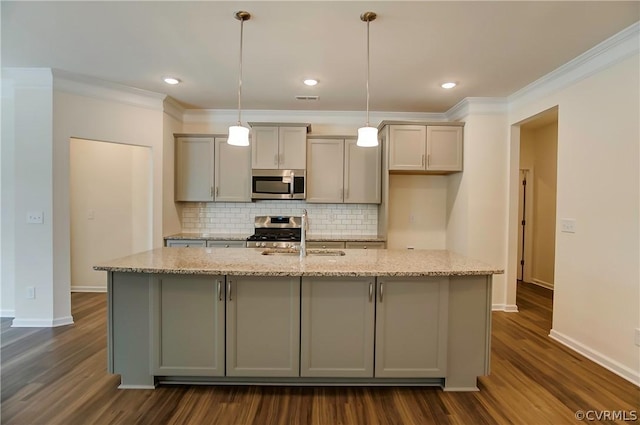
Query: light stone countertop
251	262
244	236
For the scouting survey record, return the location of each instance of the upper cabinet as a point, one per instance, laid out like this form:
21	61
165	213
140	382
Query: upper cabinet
208	169
340	171
431	148
279	147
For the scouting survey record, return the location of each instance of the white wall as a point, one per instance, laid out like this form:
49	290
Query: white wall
110	207
538	152
7	203
597	278
171	211
417	212
476	198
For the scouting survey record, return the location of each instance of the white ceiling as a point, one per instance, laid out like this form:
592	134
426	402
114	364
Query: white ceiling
490	48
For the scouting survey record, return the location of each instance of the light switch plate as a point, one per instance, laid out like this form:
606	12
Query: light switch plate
35	217
568	225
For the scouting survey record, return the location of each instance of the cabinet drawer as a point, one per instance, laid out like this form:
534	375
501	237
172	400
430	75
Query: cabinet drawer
226	244
186	243
326	244
365	245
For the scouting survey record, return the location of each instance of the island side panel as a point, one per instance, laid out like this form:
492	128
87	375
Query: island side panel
469	332
129	329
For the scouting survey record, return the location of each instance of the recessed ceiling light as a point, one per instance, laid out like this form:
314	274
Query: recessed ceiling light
310	82
171	80
448	85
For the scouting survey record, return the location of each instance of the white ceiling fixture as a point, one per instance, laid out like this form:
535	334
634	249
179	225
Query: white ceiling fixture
171	80
310	82
449	85
239	135
367	135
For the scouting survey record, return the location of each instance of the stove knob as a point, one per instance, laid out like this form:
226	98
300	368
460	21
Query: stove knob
275	244
262	244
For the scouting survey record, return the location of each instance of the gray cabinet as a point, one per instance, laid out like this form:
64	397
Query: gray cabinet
431	148
263	326
326	244
337	327
208	169
411	327
276	147
340	171
226	244
188	325
186	243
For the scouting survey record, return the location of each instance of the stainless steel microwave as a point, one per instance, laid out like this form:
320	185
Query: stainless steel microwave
278	184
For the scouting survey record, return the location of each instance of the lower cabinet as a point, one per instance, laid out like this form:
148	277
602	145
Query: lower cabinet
337	327
226	244
263	326
365	245
188	325
411	327
186	243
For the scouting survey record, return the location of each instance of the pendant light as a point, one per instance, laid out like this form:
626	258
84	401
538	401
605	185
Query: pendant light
367	135
239	135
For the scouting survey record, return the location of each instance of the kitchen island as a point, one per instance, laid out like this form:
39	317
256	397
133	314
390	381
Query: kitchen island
255	316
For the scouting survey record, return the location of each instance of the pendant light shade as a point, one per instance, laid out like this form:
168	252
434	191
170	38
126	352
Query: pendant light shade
239	135
367	135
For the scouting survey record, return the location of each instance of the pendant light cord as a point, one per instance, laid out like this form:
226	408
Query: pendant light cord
368	21
240	74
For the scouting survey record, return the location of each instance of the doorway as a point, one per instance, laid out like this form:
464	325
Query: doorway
537	200
110	207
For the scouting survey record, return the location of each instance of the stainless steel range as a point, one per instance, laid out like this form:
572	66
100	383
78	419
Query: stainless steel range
276	232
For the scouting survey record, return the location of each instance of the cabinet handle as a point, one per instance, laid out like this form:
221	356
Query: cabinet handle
217	191
275	159
422	163
219	290
346	193
370	291
281	159
229	290
211	192
428	159
381	290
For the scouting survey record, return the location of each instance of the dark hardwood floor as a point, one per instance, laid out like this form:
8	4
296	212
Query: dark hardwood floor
58	376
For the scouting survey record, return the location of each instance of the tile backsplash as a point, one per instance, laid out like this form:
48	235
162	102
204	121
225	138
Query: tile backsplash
238	217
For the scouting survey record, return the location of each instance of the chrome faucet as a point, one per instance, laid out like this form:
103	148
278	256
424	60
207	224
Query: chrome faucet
303	233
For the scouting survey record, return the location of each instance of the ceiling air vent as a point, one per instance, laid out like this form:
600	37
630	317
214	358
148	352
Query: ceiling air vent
307	97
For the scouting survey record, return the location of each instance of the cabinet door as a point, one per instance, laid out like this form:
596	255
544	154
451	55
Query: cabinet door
292	148
411	327
194	169
188	325
444	148
325	244
226	244
407	147
337	327
362	173
263	326
324	172
264	148
232	172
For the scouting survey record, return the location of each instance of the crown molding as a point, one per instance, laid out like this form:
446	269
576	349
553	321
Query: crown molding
104	90
615	49
353	118
173	108
477	105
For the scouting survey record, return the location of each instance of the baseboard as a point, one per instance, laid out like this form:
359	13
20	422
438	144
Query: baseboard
42	323
508	308
88	289
542	283
7	313
619	369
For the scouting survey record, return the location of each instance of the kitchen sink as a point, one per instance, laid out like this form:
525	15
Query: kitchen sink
291	251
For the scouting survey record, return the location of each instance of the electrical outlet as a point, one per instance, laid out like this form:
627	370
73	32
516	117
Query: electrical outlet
31	292
35	217
568	225
638	337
